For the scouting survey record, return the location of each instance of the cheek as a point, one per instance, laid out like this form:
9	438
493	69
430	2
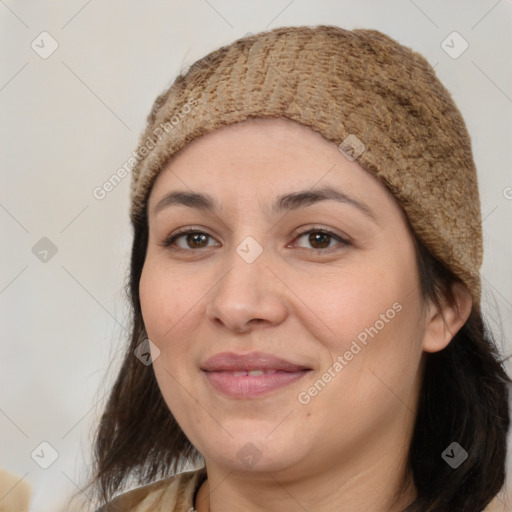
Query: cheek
380	360
171	306
151	300
164	310
374	315
373	369
162	304
350	303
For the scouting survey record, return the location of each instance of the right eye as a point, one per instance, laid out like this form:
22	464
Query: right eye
194	238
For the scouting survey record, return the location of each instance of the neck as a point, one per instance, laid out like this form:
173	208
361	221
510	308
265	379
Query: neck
376	488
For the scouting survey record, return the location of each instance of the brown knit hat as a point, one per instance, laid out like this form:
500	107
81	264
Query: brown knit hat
379	101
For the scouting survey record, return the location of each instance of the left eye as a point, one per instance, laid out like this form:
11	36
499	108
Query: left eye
321	238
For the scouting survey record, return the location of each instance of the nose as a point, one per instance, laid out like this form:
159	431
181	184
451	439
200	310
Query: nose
249	294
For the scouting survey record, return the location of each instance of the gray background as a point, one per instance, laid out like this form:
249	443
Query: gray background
70	120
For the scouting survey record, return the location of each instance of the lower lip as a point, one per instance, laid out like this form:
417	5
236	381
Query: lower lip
247	386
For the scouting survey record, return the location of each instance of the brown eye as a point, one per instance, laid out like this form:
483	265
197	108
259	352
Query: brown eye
194	239
320	239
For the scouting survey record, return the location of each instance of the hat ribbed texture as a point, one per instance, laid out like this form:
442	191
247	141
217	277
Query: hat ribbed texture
339	83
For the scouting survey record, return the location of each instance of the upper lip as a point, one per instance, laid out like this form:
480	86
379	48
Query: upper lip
229	361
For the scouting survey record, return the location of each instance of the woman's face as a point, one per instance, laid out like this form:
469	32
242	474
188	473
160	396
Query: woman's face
343	308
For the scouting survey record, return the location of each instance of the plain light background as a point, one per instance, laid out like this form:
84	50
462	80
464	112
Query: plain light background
70	120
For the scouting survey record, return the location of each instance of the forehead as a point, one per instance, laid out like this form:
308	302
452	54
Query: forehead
264	158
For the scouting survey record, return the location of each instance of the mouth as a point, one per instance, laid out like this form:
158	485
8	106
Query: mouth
245	376
251	373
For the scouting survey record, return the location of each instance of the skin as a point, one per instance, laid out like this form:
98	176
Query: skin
302	300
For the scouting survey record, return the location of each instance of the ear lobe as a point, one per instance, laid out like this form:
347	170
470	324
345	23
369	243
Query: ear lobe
442	325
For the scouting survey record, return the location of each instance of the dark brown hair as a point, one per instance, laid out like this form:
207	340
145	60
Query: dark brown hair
464	398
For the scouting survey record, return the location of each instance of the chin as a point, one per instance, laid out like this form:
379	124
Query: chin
253	455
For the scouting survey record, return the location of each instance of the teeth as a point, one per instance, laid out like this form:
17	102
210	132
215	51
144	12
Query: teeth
252	373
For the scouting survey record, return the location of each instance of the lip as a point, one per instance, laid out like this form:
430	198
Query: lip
229	361
219	373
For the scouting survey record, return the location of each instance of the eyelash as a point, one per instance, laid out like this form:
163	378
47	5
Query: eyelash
186	231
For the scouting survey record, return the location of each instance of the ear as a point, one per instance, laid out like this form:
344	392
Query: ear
442	325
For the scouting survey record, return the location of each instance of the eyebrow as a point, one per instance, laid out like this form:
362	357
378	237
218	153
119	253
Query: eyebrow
286	202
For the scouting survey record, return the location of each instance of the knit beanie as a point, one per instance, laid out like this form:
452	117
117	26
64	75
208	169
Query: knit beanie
377	100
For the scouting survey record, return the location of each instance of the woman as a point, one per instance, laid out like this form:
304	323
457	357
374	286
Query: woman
307	331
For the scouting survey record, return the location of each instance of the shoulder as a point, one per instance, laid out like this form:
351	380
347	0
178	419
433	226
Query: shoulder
497	505
172	493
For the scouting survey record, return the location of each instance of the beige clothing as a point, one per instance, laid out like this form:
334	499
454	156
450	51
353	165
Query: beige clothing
173	494
14	493
177	494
